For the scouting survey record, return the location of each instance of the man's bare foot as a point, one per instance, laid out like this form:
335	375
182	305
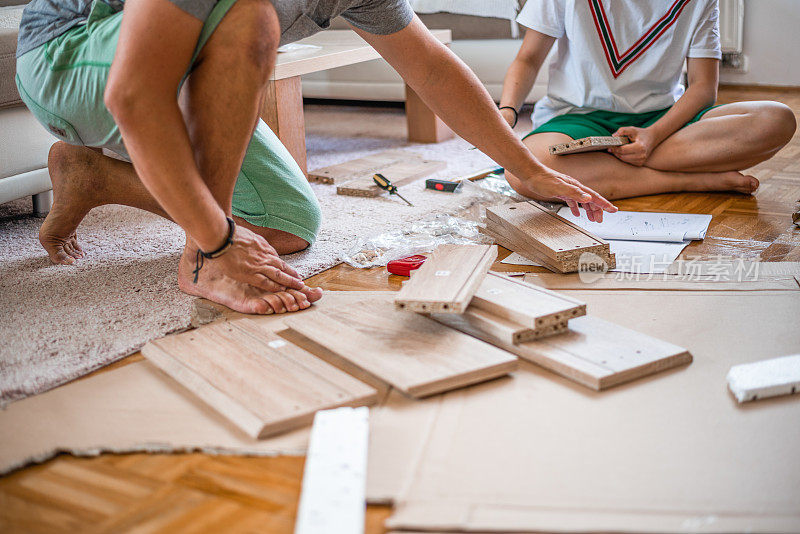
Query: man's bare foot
216	286
74	179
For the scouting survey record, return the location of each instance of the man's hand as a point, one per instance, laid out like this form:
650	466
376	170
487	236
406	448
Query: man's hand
252	260
550	183
643	142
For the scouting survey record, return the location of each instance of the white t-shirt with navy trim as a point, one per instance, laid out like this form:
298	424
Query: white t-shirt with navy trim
624	56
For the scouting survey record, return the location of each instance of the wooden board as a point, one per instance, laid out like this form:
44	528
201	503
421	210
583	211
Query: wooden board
543	236
447	280
259	381
526	304
588	144
500	328
600	354
359	168
412	353
399	174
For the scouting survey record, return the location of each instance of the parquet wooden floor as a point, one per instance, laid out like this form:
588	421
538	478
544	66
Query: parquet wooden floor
202	493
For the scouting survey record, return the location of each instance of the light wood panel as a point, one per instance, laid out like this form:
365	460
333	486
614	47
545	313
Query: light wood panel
408	351
524	303
213	493
259	381
543	236
447	280
400	172
588	144
495	326
359	168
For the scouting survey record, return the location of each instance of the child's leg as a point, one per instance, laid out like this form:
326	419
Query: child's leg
730	137
615	179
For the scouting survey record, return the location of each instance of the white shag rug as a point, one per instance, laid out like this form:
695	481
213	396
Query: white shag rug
60	322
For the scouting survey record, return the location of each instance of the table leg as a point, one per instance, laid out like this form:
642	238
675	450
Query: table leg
423	125
283	112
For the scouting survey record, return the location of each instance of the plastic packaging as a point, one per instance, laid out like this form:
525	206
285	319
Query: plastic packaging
461	226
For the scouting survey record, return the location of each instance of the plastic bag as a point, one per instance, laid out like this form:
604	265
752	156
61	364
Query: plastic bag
461	226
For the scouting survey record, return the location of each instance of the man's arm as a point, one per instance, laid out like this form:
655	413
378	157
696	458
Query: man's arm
523	71
156	43
701	93
456	95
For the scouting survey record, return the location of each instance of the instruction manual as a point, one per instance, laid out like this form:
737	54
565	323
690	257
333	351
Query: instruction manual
643	242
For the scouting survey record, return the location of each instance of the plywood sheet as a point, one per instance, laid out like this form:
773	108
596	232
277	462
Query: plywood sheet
525	303
673	453
261	382
496	327
447	280
412	353
588	144
543	236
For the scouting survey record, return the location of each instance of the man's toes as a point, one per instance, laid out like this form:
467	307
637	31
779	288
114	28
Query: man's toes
289	301
59	256
275	303
312	293
300	298
754	184
69	248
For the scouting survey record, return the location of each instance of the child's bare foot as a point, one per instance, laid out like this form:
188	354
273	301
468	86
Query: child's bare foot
727	181
213	285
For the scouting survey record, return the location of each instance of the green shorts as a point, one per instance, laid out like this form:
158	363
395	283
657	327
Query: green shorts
63	81
603	123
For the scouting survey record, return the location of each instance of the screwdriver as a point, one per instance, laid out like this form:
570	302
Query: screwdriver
384	183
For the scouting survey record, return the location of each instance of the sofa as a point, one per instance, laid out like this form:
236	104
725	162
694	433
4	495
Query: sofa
24	143
486	44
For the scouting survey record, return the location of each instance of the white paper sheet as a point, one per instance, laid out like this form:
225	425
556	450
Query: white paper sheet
644	226
632	256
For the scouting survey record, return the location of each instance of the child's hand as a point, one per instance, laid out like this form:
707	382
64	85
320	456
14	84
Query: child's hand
552	183
643	141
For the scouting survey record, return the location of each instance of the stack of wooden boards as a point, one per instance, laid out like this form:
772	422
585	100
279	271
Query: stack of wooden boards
354	178
534	323
547	238
473	327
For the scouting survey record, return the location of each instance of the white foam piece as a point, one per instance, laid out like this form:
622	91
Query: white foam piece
767	378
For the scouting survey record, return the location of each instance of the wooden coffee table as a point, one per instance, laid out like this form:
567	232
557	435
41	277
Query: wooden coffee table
283	104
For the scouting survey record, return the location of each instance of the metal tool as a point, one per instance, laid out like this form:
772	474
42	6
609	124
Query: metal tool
384	183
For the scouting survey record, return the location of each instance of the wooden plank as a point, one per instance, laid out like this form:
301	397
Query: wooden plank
408	351
261	382
497	327
523	303
600	354
544	237
400	171
335	473
359	168
588	144
447	280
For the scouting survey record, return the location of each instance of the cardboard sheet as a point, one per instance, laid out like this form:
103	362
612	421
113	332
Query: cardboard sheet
136	408
669	453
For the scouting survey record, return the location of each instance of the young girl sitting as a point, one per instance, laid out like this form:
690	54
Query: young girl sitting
618	72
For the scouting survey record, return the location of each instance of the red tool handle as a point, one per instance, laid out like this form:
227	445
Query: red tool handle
404	266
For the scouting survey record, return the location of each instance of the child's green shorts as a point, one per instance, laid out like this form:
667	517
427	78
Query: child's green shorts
603	123
63	81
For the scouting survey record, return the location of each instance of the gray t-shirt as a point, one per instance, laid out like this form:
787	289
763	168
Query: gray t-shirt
44	20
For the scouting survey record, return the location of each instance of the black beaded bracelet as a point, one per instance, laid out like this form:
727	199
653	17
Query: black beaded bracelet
516	114
201	256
